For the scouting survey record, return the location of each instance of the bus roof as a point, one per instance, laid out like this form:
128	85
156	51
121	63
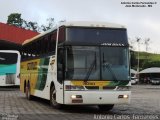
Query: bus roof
77	24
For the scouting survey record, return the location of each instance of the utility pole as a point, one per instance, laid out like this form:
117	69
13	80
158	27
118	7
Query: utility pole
147	43
138	41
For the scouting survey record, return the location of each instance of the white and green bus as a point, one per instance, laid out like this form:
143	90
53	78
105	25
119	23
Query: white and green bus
78	63
9	68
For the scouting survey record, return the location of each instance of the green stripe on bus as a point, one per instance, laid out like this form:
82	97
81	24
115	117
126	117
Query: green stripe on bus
118	83
42	73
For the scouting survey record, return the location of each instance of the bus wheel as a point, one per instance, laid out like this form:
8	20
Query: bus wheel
28	93
53	101
105	107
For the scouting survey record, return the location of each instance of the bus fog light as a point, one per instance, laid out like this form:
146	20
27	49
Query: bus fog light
79	96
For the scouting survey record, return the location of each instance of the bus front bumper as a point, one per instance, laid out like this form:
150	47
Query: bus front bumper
96	97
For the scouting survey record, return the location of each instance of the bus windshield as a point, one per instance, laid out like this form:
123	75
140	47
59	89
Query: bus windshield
8	62
97	63
82	60
114	63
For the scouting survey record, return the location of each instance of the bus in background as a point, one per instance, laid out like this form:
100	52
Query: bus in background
9	68
78	63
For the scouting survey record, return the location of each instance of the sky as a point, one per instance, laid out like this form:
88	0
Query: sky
141	22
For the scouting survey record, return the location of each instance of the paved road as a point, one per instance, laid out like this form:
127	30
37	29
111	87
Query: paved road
145	103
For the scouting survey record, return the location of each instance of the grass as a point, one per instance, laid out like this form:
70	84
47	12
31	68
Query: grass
149	56
146	60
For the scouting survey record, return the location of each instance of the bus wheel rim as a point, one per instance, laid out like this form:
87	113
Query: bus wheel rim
54	97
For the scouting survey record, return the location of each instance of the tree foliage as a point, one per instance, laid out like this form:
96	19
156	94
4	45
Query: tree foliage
16	20
50	24
143	62
148	64
151	61
31	26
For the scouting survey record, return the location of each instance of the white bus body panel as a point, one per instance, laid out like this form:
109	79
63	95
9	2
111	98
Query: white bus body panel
98	97
51	77
3	80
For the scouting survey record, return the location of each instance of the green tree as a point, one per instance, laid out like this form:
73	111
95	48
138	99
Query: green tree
15	19
31	26
50	24
148	64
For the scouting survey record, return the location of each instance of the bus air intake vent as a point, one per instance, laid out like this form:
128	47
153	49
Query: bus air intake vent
109	87
10	78
92	87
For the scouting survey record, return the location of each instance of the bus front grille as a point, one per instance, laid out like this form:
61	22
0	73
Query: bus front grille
92	87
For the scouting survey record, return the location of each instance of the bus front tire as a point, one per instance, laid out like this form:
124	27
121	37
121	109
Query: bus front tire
53	101
105	107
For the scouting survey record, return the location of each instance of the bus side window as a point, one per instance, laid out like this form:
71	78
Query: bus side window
60	65
51	44
53	41
61	37
45	44
37	49
41	47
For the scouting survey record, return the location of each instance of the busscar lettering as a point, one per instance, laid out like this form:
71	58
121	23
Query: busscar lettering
112	44
32	66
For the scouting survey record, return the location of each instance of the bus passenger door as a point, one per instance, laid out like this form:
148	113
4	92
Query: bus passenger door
60	74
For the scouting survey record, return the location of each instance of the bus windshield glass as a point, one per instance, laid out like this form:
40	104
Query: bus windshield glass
83	63
8	62
97	63
114	63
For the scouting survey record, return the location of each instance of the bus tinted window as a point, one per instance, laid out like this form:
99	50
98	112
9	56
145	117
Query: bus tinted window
8	58
97	35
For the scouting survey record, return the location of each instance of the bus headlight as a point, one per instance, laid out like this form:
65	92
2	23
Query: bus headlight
72	87
123	88
123	96
76	99
126	96
73	97
76	96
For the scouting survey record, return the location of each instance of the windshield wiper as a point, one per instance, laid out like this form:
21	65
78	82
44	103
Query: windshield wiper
107	65
90	69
